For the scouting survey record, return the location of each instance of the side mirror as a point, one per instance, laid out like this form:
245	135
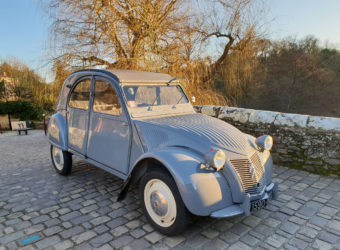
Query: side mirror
193	99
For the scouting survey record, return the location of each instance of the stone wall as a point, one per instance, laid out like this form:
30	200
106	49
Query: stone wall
305	142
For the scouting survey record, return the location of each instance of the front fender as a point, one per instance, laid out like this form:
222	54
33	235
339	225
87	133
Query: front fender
57	133
202	191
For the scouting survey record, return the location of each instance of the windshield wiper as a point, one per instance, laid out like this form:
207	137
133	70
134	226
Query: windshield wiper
159	94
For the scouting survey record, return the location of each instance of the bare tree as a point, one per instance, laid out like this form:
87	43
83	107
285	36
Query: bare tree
116	33
164	35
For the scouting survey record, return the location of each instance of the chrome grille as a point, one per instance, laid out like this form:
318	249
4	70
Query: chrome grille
251	173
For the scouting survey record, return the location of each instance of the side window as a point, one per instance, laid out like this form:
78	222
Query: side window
105	99
80	95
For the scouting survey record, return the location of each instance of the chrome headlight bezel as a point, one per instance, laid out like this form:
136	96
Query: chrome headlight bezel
216	159
264	142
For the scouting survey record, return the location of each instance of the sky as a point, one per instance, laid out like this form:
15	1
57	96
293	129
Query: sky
24	27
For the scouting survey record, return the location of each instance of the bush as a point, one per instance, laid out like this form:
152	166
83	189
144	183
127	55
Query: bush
22	110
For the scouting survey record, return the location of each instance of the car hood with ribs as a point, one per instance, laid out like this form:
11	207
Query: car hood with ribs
195	131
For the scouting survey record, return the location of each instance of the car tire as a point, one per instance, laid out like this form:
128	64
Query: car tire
61	160
161	202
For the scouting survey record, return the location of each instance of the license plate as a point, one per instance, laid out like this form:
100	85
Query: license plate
257	205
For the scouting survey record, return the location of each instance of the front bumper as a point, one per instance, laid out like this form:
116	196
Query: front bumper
271	191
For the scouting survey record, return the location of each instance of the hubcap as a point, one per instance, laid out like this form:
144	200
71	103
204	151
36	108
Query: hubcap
58	158
160	203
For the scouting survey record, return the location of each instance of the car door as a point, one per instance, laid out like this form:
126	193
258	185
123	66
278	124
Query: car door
78	115
109	133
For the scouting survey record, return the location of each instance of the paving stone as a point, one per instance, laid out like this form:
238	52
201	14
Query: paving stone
230	237
308	232
70	216
335	224
101	239
138	244
49	209
52	230
328	237
118	231
300	244
272	222
294	205
133	224
297	220
34	229
66	224
47	242
173	241
63	211
210	233
252	221
215	244
52	222
106	247
99	220
318	221
121	241
275	240
239	245
249	240
80	238
319	244
101	229
289	227
257	235
307	211
137	233
154	237
63	245
9	230
71	232
148	228
116	222
239	229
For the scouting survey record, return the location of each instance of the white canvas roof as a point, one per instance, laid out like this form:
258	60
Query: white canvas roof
134	76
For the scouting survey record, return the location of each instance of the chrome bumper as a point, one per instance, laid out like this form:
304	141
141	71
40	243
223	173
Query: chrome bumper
271	191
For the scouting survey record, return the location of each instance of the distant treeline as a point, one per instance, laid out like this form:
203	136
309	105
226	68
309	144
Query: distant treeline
294	76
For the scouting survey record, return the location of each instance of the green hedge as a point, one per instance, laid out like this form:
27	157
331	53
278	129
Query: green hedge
22	110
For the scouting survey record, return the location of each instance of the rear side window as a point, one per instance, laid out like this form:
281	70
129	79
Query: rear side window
105	99
80	95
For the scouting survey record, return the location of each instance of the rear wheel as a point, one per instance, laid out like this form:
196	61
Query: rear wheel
162	204
61	160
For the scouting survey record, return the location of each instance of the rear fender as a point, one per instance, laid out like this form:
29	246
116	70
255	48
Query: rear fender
57	133
202	191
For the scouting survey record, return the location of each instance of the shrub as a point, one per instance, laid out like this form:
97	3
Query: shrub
22	109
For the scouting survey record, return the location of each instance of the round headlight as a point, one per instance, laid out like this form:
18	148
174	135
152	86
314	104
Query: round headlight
264	142
216	159
219	160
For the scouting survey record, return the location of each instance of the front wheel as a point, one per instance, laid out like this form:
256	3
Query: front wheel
162	204
62	160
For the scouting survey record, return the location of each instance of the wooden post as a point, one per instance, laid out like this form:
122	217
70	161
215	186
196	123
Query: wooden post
44	120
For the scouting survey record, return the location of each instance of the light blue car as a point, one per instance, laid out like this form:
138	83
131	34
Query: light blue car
141	127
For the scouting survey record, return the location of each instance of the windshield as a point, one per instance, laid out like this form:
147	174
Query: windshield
153	95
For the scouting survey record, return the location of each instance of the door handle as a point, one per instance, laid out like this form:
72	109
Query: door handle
125	124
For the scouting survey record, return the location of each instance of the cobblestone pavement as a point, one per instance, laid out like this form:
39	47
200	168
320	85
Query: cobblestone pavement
80	211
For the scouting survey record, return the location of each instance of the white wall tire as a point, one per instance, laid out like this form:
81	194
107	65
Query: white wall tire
61	160
161	202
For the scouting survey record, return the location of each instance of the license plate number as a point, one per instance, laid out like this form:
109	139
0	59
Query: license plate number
256	205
